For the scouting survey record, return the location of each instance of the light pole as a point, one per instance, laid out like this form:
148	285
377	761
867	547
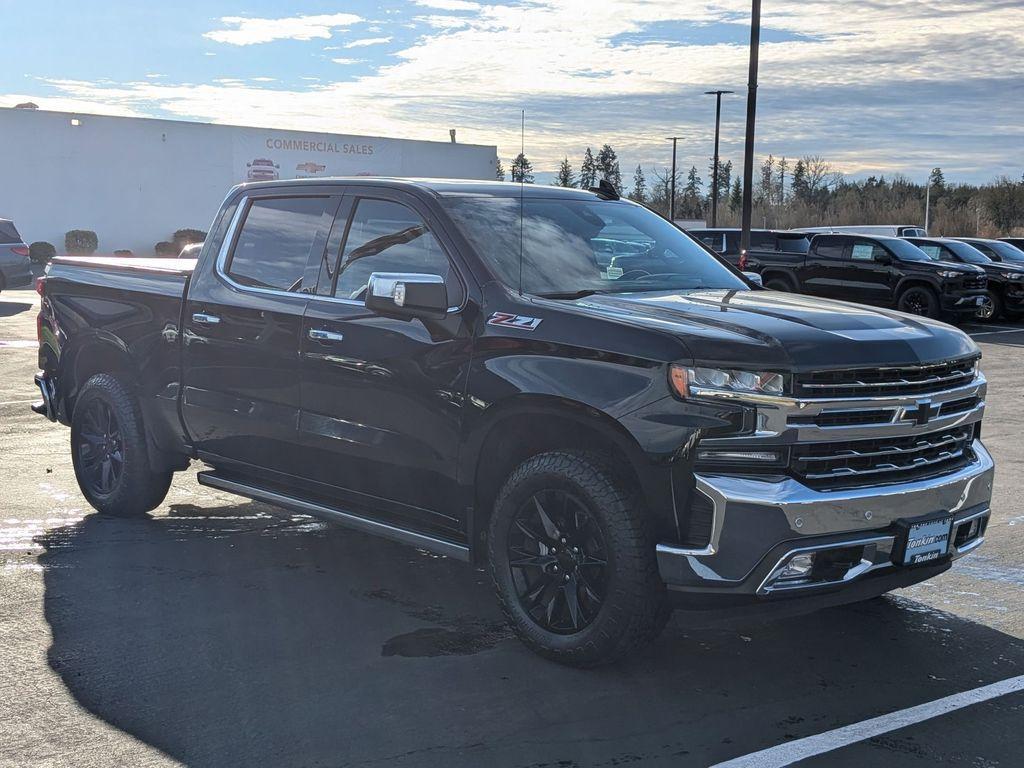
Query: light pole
714	172
748	149
672	183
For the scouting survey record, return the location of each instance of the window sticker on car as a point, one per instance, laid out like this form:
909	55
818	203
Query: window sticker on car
515	321
863	252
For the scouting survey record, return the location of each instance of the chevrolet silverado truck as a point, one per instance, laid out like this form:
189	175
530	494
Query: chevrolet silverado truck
876	270
462	367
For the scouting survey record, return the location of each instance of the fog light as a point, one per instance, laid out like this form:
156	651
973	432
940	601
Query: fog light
974	528
798	567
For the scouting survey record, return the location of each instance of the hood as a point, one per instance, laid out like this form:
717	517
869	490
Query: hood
935	266
1002	269
783	330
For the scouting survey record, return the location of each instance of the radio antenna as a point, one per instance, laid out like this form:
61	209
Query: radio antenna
522	187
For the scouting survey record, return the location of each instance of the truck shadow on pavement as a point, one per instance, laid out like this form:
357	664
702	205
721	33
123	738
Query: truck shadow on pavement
231	636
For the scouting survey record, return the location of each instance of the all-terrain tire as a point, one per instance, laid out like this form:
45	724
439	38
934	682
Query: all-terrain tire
107	431
635	609
921	301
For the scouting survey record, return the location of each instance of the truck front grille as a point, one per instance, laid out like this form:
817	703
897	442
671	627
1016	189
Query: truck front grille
975	281
878	461
870	382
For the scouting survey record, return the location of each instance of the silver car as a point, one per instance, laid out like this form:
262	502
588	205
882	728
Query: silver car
15	268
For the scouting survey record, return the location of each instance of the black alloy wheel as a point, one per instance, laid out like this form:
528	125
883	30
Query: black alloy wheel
100	449
558	560
920	301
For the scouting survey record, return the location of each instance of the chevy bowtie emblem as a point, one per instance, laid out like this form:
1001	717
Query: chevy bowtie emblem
924	412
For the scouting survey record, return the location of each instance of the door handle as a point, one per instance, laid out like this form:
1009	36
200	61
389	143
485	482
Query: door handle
205	319
318	334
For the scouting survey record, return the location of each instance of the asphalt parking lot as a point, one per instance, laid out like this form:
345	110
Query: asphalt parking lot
223	633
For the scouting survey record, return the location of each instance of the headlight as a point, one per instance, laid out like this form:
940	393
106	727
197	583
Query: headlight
949	274
1015	276
683	378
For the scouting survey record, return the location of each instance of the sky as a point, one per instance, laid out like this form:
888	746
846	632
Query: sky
875	86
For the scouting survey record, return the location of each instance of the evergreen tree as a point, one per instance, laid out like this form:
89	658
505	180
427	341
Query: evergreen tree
607	167
522	169
936	178
499	171
588	171
780	192
566	177
736	196
766	187
724	179
798	186
639	193
693	183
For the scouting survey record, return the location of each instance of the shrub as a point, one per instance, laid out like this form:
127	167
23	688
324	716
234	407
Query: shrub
166	249
81	242
183	237
126	252
41	252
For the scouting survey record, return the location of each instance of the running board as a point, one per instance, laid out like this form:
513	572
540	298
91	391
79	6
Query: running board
366	525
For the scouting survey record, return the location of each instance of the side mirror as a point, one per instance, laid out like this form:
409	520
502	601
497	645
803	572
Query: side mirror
755	278
407	295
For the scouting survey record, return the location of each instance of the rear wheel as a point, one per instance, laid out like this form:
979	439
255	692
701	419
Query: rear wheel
778	284
109	453
573	562
918	300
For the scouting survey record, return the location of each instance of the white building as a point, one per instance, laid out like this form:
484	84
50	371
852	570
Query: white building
134	181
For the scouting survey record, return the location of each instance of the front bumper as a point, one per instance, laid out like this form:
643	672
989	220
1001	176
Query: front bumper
968	302
758	524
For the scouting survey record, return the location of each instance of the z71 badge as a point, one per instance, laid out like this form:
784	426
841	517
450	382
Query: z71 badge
514	321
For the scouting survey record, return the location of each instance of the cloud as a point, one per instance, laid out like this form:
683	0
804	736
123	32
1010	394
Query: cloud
347	61
449	5
882	85
251	31
368	41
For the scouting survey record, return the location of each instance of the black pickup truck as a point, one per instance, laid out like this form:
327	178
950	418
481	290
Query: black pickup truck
877	270
1005	280
554	384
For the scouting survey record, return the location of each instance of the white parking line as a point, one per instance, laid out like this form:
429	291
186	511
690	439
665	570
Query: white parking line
801	749
989	333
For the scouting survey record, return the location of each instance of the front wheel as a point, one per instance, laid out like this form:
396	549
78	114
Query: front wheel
919	300
109	453
991	309
573	562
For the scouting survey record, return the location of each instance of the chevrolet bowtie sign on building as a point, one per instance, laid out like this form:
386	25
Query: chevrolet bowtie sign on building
134	181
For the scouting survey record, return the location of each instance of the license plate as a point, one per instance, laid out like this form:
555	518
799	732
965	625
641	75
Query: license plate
924	541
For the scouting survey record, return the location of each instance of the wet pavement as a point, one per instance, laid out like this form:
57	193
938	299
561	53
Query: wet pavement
222	632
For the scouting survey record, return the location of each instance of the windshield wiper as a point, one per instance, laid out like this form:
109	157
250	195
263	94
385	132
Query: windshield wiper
568	295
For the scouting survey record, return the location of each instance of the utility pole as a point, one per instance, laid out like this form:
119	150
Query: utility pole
672	184
748	149
714	173
927	203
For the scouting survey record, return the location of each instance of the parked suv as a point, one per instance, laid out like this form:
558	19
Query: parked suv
454	365
884	271
1005	280
997	250
15	266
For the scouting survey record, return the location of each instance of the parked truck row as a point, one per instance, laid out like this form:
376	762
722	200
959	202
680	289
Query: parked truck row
553	384
949	278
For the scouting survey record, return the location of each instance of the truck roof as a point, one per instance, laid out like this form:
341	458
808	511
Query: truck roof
440	187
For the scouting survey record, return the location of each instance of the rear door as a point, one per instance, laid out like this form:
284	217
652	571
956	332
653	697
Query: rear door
243	320
869	272
382	398
823	271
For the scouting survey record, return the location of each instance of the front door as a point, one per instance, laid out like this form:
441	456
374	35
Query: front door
868	273
382	398
243	321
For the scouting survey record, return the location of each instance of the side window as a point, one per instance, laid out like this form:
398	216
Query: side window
763	241
273	247
987	251
385	236
866	251
829	247
934	251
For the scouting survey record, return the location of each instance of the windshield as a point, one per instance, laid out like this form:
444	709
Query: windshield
907	251
968	253
583	246
1006	251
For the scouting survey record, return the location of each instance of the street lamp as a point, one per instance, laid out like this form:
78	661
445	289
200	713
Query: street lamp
748	149
714	173
672	184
